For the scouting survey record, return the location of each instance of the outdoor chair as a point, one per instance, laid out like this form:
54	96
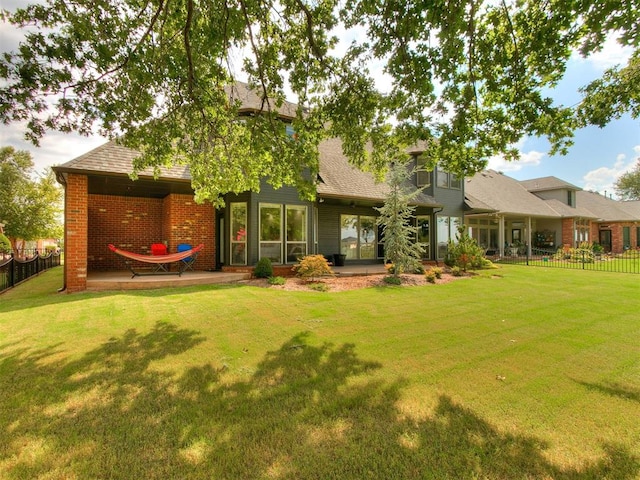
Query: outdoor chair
187	263
160	249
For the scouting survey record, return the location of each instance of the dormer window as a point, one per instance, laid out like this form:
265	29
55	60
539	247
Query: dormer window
571	198
423	176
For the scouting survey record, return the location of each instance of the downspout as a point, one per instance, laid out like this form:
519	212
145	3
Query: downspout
63	181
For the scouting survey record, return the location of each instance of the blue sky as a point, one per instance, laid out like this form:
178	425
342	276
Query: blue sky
597	158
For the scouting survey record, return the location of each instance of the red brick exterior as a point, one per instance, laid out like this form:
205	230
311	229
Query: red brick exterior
568	234
185	221
76	226
131	223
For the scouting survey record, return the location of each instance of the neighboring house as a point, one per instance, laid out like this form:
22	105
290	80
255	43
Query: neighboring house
502	215
103	205
507	215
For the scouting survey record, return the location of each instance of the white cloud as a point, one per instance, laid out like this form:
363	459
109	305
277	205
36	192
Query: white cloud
532	158
611	54
602	179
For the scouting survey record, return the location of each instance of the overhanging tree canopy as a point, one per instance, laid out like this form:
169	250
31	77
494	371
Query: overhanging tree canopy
469	74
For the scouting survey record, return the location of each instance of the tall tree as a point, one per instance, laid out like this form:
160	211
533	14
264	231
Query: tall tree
471	74
30	208
396	220
628	184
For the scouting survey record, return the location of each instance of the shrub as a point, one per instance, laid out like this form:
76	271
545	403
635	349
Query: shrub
319	286
276	280
431	276
437	272
465	252
312	267
392	280
263	268
456	271
5	244
419	269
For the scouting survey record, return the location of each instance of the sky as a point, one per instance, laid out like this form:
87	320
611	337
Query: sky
597	158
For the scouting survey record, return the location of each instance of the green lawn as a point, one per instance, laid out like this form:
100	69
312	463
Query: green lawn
520	373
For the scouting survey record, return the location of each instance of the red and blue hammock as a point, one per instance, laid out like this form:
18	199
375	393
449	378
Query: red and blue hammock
161	262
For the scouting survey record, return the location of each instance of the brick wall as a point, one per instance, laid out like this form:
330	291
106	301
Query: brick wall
130	223
185	221
134	223
568	235
76	225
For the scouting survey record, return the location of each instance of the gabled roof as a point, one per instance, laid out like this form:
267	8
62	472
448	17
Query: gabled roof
340	179
567	211
547	183
606	209
506	195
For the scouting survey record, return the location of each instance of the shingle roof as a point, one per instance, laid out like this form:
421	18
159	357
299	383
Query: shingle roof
547	183
338	178
633	207
606	209
252	102
111	158
506	195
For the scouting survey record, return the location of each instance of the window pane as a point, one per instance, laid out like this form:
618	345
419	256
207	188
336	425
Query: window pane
455	224
295	251
424	236
455	181
238	234
367	237
272	251
443	179
270	223
296	224
238	222
442	232
349	235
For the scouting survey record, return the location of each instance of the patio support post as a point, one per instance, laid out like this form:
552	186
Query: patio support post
501	234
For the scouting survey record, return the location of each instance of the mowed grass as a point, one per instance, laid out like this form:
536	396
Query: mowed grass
517	373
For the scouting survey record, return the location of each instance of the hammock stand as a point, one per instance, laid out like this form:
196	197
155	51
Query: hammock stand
160	261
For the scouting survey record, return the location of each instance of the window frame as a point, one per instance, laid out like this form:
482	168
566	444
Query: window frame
233	236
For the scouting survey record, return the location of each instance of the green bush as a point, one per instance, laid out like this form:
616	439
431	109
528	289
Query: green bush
392	280
431	276
319	287
276	280
5	244
465	253
456	271
312	267
263	268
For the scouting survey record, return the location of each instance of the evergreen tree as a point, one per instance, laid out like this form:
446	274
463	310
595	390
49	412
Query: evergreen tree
397	222
628	184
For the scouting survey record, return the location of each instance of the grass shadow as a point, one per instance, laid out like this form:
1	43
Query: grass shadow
305	412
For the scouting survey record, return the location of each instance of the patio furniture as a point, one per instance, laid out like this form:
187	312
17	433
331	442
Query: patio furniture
157	260
189	261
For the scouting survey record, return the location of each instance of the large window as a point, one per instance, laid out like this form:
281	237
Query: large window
581	230
448	180
270	232
238	240
296	232
446	229
282	236
358	236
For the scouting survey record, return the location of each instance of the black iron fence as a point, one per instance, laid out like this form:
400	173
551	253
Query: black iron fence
576	258
14	270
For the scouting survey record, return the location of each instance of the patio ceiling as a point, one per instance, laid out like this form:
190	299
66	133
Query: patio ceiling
142	187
